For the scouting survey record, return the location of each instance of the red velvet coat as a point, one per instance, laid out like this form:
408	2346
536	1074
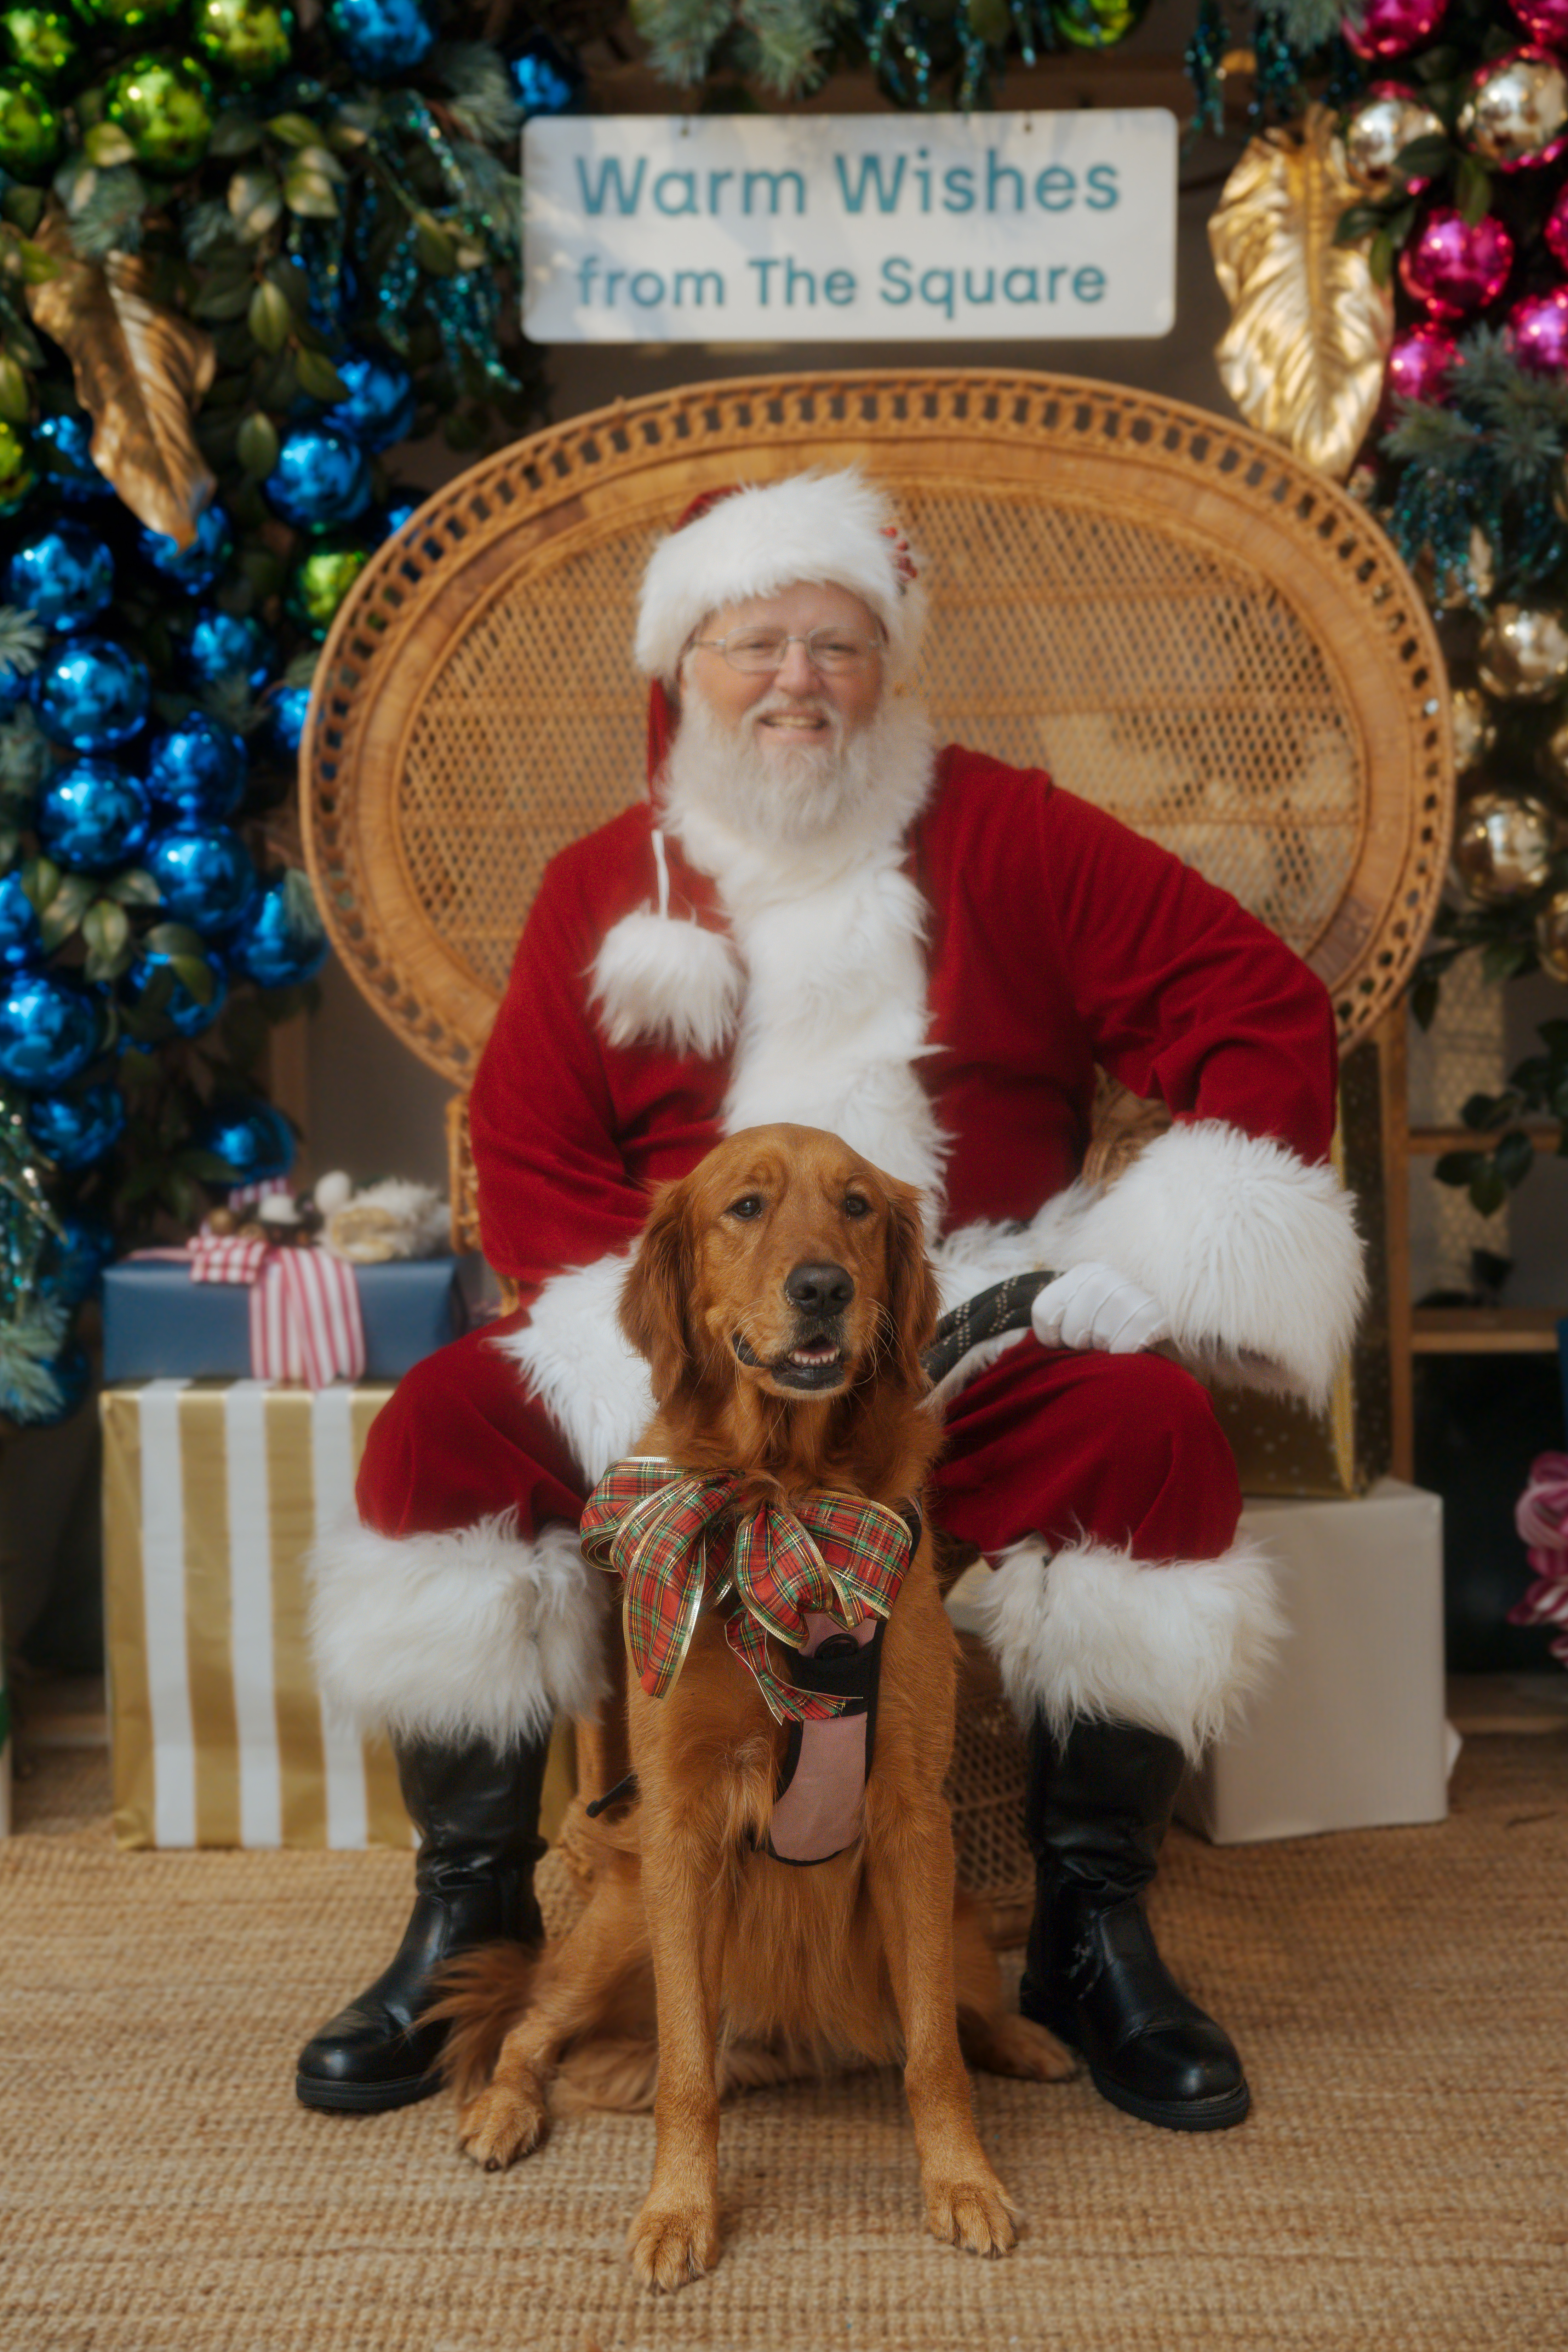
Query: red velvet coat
1057	939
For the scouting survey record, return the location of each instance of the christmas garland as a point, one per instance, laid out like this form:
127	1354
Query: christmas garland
244	255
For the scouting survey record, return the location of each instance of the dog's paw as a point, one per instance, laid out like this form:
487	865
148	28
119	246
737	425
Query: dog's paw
501	2125
976	2214
671	2244
1019	2047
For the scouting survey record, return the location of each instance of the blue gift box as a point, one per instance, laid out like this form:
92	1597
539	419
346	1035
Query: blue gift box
159	1325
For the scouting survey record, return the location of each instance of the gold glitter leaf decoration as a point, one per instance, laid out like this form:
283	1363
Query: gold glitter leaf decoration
140	370
1303	356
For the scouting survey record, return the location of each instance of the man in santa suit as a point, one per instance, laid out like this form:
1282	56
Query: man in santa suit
819	917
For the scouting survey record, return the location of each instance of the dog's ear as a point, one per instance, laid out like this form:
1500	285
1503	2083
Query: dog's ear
913	1302
657	1288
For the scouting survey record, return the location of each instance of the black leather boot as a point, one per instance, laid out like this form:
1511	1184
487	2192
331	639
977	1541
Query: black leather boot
476	1812
1096	1811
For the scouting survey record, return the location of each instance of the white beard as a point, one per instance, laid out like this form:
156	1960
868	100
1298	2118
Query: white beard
733	805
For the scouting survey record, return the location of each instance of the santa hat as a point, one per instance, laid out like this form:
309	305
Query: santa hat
759	537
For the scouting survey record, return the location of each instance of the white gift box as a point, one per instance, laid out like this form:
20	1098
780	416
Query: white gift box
1350	1732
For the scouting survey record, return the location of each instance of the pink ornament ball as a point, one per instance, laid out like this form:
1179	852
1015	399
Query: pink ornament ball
1557	229
1545	21
1537	332
1419	361
1453	265
1388	28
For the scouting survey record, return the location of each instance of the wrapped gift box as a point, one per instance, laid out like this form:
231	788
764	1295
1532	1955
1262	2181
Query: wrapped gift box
158	1323
213	1496
1350	1733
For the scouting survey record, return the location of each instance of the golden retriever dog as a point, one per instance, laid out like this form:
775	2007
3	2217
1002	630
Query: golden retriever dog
782	1295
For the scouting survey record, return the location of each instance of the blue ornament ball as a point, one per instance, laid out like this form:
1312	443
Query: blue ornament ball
198	770
19	940
547	78
194	568
270	947
64	576
286	708
379	409
73	1269
74	1130
48	1030
93	817
64	446
402	505
230	645
252	1139
184	1010
381	37
321	478
203	874
91	694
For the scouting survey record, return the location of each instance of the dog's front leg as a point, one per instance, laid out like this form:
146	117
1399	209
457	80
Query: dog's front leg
910	1869
676	2236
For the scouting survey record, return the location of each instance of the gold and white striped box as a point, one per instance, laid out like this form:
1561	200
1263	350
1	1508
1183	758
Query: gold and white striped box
213	1495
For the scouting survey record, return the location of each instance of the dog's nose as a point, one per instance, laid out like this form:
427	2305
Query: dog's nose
822	1289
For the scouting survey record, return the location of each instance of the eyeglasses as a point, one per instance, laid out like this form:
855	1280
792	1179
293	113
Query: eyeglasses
831	651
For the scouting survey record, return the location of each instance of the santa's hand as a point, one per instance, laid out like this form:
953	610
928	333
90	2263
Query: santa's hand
1092	1306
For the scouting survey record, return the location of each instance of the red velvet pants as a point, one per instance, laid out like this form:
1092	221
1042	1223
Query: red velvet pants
1122	1450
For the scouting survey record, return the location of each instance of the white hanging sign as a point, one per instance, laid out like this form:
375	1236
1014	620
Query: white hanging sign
849	228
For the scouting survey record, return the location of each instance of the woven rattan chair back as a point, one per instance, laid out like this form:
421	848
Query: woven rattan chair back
1179	620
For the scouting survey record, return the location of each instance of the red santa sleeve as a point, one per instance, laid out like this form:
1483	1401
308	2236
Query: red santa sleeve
1234	1221
558	1210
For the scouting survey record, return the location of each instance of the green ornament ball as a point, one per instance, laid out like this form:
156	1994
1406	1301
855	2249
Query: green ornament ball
163	105
30	128
321	579
18	471
1097	24
40	42
128	15
246	41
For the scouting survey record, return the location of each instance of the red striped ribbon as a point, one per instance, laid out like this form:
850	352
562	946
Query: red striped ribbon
305	1319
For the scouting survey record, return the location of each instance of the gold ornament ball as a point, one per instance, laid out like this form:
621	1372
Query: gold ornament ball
1503	844
1552	935
1551	757
1517	111
1524	653
1475	729
1451	591
1380	129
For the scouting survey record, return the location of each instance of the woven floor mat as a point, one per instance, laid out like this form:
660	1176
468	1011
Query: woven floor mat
1401	1996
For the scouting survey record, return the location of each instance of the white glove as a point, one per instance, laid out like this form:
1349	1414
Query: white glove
1094	1306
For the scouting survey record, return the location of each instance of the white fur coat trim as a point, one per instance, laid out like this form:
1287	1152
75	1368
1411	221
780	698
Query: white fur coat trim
1092	1631
573	1358
766	536
474	1634
669	981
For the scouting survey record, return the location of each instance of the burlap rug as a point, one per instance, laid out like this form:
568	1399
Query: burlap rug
1402	1997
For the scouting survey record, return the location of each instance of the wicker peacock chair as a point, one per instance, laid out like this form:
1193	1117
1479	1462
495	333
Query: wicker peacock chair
1179	620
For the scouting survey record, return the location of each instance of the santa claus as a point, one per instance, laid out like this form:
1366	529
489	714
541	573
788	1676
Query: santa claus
818	915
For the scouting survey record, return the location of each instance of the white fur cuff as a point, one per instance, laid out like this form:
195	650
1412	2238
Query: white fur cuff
572	1357
1092	1631
474	1634
1253	1254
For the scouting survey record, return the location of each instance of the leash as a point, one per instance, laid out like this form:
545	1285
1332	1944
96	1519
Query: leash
1004	1307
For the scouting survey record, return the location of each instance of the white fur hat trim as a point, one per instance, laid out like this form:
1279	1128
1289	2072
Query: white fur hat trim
835	528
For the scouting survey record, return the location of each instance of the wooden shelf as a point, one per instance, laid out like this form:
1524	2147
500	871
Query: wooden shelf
1432	1143
1484	1331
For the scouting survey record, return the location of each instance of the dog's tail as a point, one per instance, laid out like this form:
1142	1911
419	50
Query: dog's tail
480	1995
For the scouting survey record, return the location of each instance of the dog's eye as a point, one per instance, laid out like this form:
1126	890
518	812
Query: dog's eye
856	1205
748	1205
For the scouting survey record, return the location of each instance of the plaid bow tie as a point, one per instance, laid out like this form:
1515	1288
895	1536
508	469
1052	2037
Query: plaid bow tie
675	1538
